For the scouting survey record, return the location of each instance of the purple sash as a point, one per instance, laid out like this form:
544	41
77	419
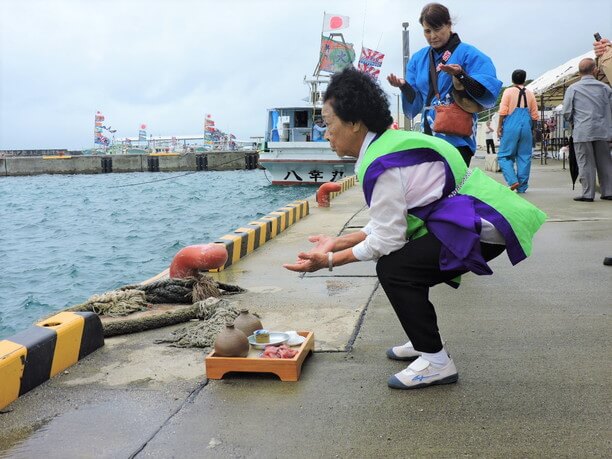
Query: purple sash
455	223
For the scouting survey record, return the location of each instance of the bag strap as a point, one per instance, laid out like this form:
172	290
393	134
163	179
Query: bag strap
433	75
453	42
433	89
433	79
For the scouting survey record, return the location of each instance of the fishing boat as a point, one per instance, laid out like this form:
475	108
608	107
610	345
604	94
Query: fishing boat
293	150
291	155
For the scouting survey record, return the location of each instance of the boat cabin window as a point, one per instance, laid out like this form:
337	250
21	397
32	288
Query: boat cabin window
301	119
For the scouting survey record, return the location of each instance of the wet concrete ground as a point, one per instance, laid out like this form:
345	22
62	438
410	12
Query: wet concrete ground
531	343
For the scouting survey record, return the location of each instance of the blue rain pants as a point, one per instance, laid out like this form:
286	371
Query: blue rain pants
515	146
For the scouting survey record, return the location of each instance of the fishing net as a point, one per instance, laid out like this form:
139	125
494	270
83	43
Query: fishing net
213	313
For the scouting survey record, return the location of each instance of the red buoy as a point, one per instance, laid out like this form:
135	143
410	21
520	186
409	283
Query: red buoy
323	193
194	258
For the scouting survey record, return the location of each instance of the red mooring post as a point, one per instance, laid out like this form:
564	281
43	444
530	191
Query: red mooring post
323	193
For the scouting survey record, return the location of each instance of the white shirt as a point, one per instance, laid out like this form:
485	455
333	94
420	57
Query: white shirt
416	186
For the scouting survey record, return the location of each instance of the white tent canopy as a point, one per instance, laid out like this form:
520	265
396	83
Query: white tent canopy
552	84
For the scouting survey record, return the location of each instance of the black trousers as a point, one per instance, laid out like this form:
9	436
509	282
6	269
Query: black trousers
466	154
406	276
491	144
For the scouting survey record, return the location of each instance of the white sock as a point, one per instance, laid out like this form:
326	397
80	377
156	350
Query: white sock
438	359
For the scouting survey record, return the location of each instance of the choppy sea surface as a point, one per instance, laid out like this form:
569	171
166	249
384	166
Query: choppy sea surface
64	238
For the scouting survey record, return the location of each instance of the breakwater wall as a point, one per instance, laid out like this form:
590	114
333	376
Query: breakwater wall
99	164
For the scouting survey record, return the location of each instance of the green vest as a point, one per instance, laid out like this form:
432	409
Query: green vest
516	218
393	141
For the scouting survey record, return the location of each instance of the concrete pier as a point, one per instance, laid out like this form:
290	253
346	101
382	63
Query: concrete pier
531	343
78	164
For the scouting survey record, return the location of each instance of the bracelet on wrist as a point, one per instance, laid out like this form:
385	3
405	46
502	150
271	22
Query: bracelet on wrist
330	261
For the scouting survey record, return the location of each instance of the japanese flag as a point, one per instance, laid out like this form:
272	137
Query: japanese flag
333	22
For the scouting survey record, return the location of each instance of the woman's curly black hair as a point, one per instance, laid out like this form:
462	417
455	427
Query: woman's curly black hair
355	96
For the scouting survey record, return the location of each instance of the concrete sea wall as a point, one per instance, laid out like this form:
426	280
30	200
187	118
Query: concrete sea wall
67	164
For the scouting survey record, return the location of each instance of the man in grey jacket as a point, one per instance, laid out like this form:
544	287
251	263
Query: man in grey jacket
588	107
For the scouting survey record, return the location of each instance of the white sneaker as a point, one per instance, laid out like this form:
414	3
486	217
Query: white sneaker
421	373
403	352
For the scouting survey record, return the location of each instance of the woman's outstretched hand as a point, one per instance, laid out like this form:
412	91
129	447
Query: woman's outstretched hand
452	69
315	258
308	262
396	81
323	244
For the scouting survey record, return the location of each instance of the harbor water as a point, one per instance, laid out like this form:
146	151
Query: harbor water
64	238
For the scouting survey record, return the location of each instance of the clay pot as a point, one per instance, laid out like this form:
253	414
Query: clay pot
247	322
231	342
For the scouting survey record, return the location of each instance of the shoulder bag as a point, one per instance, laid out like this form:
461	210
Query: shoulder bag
451	118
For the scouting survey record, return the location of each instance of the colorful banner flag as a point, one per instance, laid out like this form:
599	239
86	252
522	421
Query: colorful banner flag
99	138
333	22
209	126
371	57
371	71
335	55
142	133
369	62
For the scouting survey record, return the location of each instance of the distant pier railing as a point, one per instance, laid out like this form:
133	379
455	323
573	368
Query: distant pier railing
105	164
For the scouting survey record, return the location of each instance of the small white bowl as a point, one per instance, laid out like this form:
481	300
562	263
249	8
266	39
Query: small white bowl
276	339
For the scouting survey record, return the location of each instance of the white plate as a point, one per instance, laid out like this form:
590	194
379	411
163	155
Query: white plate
276	339
296	341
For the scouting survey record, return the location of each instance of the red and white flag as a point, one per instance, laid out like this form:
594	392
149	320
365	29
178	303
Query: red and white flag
333	22
371	71
371	57
370	61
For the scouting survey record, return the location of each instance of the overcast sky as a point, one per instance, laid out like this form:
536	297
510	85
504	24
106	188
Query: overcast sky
167	63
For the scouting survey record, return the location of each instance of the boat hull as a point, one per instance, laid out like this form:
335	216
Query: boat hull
305	163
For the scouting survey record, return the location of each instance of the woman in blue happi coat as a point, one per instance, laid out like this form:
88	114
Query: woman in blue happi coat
472	70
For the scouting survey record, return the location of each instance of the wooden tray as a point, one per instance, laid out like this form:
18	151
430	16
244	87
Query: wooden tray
285	369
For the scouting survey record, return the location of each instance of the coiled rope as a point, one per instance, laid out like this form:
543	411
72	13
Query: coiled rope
114	304
137	297
213	313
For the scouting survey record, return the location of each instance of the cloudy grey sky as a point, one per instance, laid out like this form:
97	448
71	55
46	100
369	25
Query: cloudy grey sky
167	63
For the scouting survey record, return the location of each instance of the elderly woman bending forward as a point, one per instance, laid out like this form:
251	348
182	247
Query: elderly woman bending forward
432	220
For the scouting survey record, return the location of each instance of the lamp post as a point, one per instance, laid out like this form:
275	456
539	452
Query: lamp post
406	58
405	45
397	96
